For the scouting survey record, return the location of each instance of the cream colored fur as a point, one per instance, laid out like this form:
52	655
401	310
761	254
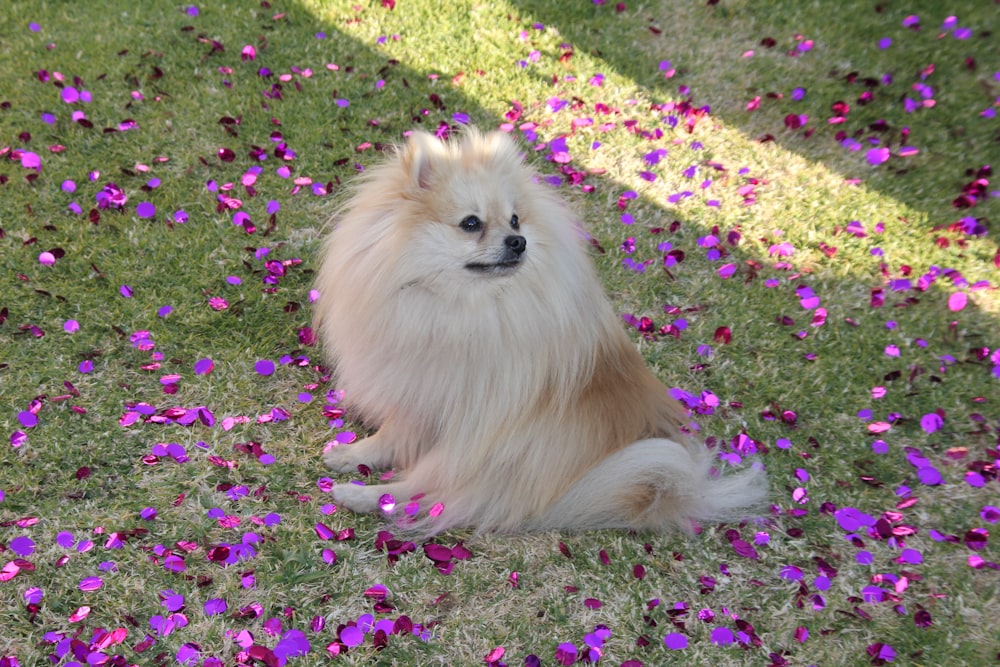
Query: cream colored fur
514	396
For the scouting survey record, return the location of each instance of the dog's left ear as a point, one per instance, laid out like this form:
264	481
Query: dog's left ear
419	156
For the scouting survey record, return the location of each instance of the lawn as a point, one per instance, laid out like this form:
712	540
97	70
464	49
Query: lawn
792	206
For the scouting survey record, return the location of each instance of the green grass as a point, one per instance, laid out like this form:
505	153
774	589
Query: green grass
79	471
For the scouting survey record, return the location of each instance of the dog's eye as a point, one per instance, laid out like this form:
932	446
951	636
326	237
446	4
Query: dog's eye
471	224
514	222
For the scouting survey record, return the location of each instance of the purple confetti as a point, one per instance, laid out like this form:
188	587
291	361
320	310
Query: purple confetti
145	210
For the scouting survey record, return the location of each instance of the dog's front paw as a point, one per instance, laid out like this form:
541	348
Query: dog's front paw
369	452
357	498
343	458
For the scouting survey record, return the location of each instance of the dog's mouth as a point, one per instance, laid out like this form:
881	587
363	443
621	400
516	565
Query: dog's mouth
508	260
504	267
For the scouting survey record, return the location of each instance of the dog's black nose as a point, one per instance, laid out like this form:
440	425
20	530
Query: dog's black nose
516	243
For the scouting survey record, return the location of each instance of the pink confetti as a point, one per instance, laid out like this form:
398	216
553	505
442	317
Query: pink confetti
957	301
30	160
80	614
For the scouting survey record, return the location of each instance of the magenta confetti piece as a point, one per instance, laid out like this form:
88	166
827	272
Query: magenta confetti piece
957	301
566	654
91	584
930	476
931	422
883	653
125	291
722	636
877	156
31	160
80	614
352	636
27	418
494	655
215	606
204	366
22	545
324	532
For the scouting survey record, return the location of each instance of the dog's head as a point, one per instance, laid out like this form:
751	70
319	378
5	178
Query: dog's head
471	208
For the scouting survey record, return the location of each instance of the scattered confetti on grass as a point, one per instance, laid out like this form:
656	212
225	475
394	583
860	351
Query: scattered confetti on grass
792	209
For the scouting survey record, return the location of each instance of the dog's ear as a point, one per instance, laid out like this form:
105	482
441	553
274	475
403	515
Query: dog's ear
419	158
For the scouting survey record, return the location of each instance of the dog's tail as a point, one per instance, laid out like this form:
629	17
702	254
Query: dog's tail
657	485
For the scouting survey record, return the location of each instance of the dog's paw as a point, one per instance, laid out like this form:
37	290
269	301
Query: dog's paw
343	458
357	498
369	452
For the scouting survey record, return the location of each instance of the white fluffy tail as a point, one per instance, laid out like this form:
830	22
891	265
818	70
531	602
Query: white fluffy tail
657	485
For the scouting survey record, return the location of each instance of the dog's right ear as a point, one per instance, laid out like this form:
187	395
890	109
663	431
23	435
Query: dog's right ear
419	157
